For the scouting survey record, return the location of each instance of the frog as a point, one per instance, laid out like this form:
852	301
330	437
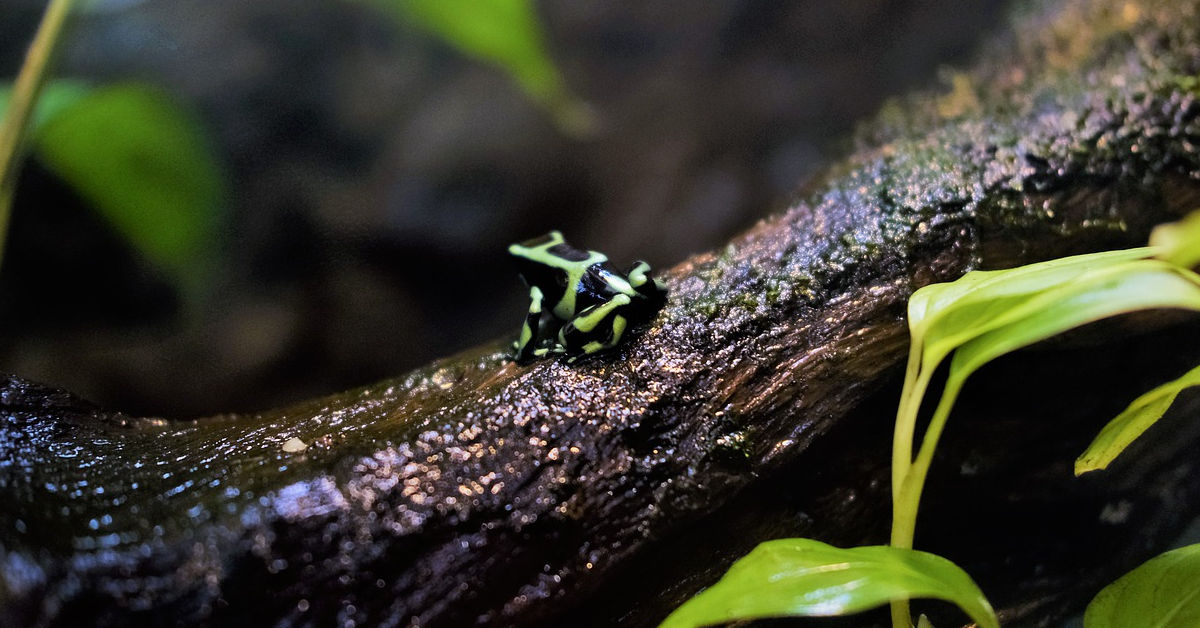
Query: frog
579	302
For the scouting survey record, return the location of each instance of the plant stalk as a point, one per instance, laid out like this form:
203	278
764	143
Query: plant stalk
916	381
912	484
14	129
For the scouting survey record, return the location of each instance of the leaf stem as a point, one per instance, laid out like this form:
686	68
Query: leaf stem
912	484
14	129
901	617
904	519
916	381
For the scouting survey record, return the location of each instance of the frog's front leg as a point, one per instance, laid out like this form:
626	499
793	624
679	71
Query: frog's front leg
526	344
596	328
641	280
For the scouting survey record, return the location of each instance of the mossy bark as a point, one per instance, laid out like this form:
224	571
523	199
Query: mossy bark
757	404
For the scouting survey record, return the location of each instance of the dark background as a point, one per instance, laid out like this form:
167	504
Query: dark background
377	175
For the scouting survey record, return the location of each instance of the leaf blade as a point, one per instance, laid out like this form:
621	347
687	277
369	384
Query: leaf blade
507	34
804	577
1132	286
1148	595
946	316
145	165
1135	419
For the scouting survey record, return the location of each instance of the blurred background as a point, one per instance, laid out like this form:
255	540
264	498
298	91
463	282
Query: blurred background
230	205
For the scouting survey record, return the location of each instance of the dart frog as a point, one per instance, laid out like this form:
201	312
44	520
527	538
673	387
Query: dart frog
579	303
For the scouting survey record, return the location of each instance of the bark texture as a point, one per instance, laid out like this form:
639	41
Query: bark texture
756	405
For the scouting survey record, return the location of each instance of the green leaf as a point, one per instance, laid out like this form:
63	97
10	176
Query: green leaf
505	33
944	316
1179	241
1161	593
143	163
803	577
1128	287
1137	418
55	96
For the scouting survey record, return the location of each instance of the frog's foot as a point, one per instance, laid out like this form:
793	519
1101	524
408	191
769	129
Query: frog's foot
554	349
617	330
597	328
644	283
639	274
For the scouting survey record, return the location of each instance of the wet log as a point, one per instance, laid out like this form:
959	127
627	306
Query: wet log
756	405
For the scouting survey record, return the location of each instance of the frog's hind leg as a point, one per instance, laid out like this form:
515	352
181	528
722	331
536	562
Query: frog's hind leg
596	328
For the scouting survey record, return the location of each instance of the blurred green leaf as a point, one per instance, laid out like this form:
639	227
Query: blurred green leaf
506	33
1132	422
803	577
144	163
55	96
1161	593
1179	241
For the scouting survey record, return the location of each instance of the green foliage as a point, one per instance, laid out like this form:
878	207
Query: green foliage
1135	419
1176	243
1121	288
144	163
505	33
1038	302
985	315
1162	592
943	317
803	577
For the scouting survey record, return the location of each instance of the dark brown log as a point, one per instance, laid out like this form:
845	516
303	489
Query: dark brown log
756	405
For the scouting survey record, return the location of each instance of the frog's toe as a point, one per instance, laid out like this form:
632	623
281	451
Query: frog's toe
639	273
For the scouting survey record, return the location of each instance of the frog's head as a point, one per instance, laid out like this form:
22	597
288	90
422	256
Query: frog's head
536	247
536	264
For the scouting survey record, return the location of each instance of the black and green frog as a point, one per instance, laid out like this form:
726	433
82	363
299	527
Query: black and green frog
579	303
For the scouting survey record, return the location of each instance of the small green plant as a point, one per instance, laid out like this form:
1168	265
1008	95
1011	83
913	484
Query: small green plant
138	157
143	162
971	321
